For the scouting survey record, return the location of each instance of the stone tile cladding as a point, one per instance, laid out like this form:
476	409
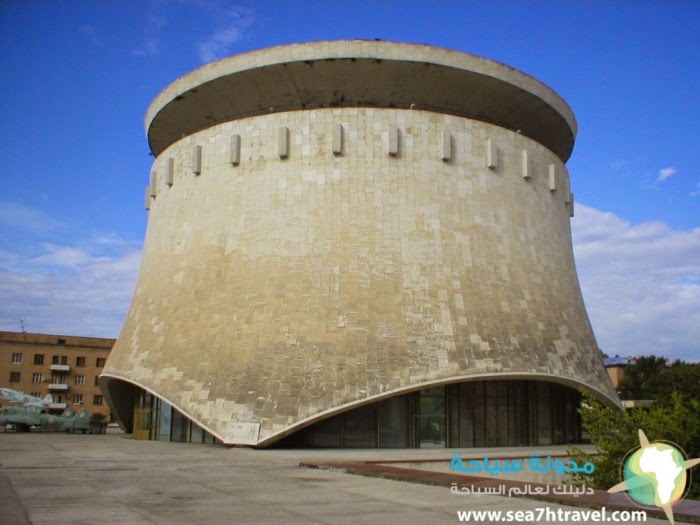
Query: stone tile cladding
279	291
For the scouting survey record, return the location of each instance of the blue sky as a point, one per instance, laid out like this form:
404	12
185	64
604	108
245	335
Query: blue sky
78	77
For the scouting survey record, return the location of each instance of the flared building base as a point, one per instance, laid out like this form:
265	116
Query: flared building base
502	413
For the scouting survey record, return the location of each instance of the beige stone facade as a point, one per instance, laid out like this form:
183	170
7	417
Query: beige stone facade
300	262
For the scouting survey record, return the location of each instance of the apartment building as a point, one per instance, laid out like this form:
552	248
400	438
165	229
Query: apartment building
65	366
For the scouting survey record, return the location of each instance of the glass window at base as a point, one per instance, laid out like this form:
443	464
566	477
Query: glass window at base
393	422
499	413
156	420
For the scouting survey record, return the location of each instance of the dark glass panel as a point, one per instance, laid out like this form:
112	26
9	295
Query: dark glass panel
433	391
559	414
502	413
453	418
155	419
518	414
196	433
432	405
165	422
360	427
430	421
393	422
572	402
326	433
180	427
544	414
490	415
478	409
430	432
466	422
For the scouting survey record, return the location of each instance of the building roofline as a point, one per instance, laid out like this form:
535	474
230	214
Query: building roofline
360	73
53	339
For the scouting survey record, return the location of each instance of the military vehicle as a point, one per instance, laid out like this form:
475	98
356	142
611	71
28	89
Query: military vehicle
15	396
27	417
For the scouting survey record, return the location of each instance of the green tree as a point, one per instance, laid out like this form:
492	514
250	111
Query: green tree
615	433
652	377
635	383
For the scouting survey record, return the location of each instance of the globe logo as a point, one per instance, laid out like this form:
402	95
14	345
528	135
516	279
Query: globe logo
655	475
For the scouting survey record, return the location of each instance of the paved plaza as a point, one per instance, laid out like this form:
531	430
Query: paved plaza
53	478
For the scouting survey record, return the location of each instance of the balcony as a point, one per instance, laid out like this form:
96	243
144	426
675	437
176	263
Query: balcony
60	368
58	387
58	406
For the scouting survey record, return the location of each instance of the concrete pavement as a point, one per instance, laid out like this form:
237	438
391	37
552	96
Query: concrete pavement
55	478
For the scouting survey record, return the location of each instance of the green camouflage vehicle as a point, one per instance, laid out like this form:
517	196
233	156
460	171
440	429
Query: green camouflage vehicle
27	417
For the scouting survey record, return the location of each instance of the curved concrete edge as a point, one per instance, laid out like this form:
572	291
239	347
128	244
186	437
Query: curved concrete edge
106	378
104	382
361	49
598	394
352	49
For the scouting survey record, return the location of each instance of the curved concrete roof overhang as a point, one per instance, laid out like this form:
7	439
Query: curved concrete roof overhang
106	380
600	396
357	73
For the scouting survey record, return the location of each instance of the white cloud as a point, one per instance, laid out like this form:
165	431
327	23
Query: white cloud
220	43
156	21
696	191
640	168
62	278
666	173
68	291
24	218
230	25
641	284
62	256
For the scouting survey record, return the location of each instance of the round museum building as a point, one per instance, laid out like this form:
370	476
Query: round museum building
357	244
